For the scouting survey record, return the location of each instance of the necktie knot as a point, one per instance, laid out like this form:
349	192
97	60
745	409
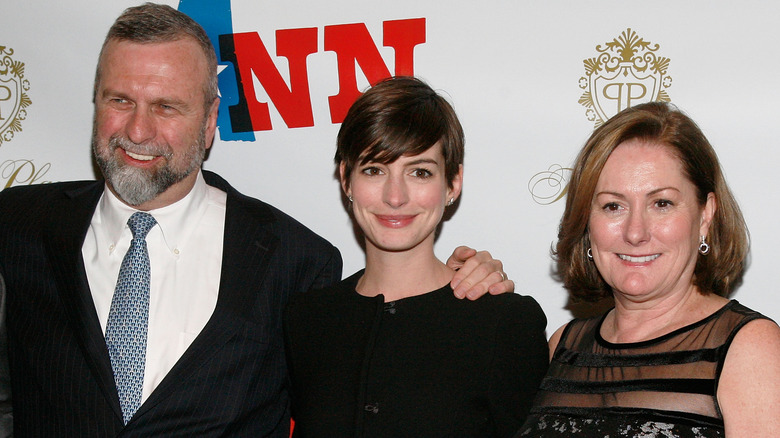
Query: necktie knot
140	223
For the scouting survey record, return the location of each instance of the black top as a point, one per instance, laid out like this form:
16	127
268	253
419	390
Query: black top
424	366
664	387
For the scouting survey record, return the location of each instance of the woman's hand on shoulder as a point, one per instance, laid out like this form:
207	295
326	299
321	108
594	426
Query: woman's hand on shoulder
749	386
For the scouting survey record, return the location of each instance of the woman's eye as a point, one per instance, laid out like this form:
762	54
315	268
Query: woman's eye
422	173
663	203
611	206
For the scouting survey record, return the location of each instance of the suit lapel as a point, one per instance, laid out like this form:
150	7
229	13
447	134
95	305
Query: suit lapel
65	237
247	248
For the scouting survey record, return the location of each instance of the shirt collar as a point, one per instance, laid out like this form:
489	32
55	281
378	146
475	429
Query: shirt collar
175	221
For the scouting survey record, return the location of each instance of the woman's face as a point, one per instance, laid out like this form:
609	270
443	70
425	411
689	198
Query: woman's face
645	222
398	205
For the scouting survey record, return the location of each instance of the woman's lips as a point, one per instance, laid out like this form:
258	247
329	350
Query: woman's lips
638	259
395	221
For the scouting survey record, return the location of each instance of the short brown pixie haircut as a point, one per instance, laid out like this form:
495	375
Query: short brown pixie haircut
663	124
399	116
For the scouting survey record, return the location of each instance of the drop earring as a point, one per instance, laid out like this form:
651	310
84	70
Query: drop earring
704	247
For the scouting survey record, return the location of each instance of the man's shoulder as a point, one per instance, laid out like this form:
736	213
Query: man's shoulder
297	251
43	193
337	297
243	207
27	210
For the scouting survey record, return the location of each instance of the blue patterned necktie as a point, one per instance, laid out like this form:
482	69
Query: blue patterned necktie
128	317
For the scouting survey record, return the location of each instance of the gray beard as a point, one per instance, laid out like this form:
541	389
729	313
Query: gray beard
137	186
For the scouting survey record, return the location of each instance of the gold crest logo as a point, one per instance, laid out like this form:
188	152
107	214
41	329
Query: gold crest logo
13	95
627	71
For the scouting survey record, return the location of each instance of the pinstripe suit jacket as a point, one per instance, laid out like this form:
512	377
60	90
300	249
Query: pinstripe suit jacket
232	381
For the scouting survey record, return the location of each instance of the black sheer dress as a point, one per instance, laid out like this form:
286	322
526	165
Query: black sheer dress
665	387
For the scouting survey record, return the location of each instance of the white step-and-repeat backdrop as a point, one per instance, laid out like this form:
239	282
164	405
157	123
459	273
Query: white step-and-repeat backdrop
529	80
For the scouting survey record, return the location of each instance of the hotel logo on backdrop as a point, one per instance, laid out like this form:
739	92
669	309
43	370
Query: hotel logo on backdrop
625	72
13	95
13	109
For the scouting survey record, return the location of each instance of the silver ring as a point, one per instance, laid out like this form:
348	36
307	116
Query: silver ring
503	275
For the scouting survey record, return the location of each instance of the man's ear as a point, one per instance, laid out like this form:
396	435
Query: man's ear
211	122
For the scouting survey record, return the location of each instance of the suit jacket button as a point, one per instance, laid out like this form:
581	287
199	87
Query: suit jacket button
372	407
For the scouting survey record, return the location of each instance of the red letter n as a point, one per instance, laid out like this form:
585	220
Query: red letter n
352	43
293	103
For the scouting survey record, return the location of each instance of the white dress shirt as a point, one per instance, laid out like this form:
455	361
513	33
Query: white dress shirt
185	252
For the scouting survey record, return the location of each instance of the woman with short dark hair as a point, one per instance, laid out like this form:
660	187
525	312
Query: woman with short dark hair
389	351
